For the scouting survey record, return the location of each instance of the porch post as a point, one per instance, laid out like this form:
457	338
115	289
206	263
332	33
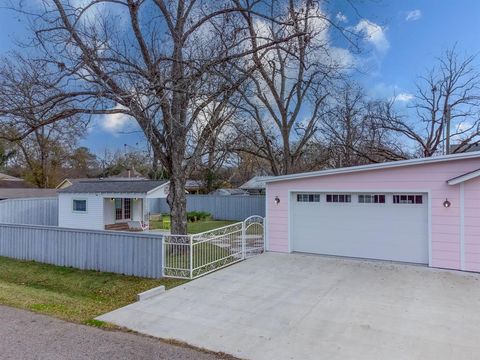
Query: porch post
145	208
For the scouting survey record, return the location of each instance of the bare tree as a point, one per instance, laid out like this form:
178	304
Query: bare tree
351	132
452	86
286	95
30	106
161	62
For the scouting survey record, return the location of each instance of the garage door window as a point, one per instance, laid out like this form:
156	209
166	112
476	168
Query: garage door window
308	197
407	199
339	198
371	199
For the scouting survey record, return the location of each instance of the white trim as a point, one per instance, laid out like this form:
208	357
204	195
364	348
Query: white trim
389	191
463	178
462	226
59	186
385	165
429	226
157	188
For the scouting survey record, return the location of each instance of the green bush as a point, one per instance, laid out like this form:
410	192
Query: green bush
193	216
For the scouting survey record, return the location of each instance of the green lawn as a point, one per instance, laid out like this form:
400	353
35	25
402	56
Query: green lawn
67	293
198	226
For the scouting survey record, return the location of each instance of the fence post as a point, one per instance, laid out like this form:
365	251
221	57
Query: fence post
191	256
264	223
163	256
244	240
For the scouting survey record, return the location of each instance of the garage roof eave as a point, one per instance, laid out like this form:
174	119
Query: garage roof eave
379	166
462	178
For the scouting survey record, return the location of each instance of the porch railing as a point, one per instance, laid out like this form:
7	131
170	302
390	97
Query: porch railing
191	256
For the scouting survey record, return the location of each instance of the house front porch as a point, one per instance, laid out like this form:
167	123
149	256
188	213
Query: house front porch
126	213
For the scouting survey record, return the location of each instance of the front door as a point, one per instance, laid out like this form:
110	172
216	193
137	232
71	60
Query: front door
123	209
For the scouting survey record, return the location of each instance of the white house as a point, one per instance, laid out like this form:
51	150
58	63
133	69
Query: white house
102	204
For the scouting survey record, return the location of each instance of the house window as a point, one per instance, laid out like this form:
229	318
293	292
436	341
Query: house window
371	199
79	205
308	197
408	199
339	198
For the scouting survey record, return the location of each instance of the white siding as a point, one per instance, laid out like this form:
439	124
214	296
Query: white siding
109	211
91	219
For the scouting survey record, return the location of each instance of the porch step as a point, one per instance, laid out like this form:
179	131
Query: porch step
117	227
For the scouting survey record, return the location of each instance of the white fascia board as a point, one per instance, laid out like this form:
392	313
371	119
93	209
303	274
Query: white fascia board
379	166
463	178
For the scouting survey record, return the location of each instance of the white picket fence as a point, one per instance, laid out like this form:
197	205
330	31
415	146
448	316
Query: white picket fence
191	256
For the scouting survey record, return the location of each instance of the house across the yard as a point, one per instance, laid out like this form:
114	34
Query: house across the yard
229	192
423	211
256	185
108	204
13	188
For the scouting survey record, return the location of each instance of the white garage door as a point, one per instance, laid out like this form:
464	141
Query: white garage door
376	226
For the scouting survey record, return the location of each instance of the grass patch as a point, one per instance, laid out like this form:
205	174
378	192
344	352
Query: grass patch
197	226
70	294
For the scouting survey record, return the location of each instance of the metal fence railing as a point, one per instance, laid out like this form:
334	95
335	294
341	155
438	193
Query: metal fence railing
191	256
128	253
31	211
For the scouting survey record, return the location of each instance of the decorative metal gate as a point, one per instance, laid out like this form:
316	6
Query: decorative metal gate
191	256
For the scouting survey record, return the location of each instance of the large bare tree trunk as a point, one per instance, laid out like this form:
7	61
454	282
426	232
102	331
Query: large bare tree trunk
177	201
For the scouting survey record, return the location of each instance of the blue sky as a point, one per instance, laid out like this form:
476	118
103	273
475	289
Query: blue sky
410	34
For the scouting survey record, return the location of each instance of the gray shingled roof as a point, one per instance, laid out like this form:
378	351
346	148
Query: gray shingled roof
256	183
26	193
113	186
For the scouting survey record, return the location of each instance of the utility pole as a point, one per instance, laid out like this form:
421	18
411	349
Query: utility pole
447	132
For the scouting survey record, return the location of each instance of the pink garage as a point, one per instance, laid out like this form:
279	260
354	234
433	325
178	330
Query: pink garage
422	211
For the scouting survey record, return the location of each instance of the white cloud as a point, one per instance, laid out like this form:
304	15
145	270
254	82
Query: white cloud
374	34
115	123
404	97
341	17
413	15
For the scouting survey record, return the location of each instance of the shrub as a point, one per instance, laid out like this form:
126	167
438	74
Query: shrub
193	216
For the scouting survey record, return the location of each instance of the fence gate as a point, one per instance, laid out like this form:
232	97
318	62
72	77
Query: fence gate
191	256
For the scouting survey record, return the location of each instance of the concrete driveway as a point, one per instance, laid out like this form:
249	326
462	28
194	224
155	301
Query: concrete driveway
293	306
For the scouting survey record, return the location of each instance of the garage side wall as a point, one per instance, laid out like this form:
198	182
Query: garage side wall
445	223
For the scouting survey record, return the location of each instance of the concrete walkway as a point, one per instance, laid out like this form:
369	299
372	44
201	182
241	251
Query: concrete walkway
25	335
293	306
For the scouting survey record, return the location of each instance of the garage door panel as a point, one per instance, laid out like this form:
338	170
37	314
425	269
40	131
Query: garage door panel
379	231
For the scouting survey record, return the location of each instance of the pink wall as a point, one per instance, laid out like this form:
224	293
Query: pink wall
445	223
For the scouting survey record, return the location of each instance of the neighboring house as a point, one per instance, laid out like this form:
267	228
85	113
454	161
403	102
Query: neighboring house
423	211
26	193
98	204
13	188
194	186
12	182
473	147
256	185
229	192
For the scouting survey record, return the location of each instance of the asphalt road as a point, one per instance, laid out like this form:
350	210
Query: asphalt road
26	335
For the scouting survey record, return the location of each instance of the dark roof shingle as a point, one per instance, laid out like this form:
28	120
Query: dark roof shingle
113	186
